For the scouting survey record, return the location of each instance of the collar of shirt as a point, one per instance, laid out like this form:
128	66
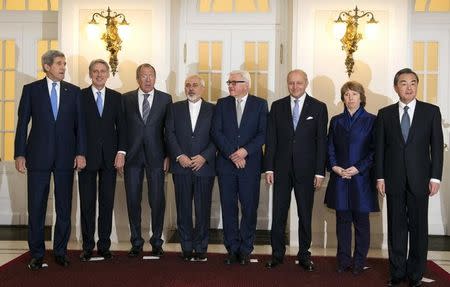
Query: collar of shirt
195	106
102	91
49	84
301	100
412	107
141	93
243	101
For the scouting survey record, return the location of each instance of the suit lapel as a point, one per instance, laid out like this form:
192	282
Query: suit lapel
46	94
201	116
107	103
92	102
187	116
155	106
63	98
135	103
416	119
304	111
395	118
246	110
286	107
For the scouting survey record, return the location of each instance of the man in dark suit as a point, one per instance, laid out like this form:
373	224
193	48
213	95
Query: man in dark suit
192	163
105	131
145	113
295	158
239	131
56	144
409	160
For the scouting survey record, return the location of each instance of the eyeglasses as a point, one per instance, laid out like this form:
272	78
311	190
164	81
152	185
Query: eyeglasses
233	83
189	85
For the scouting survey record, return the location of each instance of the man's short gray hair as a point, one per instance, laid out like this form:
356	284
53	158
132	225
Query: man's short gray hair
245	75
49	56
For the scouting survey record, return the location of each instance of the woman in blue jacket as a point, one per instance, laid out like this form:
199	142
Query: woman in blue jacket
351	189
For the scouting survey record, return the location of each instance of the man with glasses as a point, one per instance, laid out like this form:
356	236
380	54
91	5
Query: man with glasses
145	114
192	155
239	130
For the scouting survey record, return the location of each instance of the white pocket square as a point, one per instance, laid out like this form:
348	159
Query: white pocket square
309	118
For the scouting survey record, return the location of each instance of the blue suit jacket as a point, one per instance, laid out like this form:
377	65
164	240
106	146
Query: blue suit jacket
181	139
352	143
251	134
51	143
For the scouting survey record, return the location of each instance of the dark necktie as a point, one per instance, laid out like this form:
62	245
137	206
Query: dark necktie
145	108
99	103
405	123
54	100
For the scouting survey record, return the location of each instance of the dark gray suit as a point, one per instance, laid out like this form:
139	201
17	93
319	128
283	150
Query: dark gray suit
196	185
407	168
146	151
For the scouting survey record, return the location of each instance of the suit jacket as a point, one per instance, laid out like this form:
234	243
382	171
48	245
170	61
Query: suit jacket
302	150
106	133
145	140
182	140
250	135
51	143
351	142
415	161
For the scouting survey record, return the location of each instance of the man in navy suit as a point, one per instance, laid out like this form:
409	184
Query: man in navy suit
295	158
106	142
239	131
192	163
56	144
145	113
409	160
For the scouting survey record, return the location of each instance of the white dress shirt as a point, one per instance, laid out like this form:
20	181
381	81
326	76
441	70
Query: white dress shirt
194	111
301	101
141	99
57	87
411	106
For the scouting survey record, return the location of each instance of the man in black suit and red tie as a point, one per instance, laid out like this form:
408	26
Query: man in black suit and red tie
145	113
409	161
295	158
56	144
192	163
106	145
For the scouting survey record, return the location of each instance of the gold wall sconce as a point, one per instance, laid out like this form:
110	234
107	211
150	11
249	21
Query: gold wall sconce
111	36
348	20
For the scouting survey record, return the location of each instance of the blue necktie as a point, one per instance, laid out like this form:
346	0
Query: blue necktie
99	103
405	123
54	100
295	114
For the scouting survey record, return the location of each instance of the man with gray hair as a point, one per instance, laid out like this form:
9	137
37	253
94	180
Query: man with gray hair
106	145
192	155
55	144
239	131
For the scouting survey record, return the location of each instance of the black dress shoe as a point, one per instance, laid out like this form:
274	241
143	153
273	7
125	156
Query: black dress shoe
200	256
35	264
62	260
306	264
357	270
394	282
273	263
231	258
157	251
135	251
244	259
85	255
187	255
414	283
342	269
105	254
